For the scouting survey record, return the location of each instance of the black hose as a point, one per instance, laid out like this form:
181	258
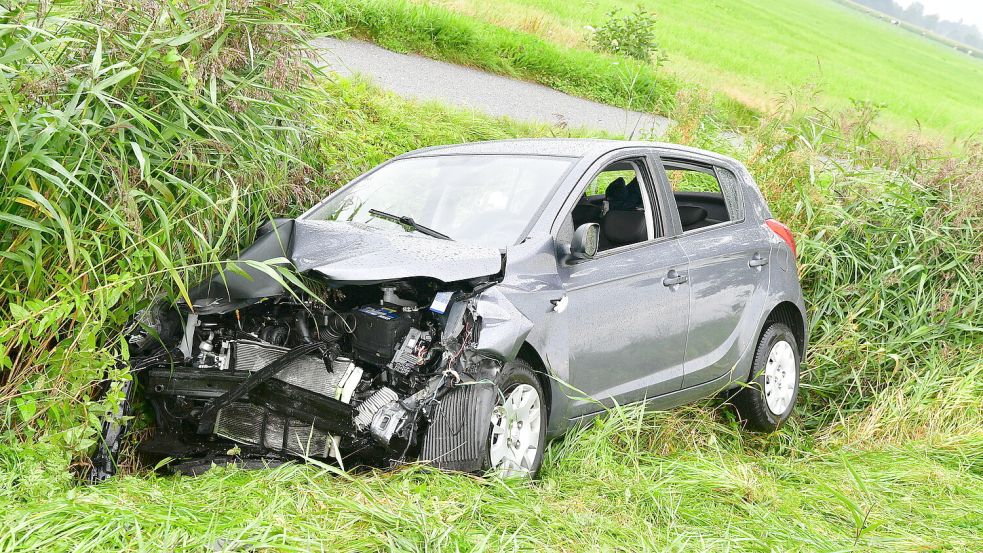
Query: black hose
336	326
303	330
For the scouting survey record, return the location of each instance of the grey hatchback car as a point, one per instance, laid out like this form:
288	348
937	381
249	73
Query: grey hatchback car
462	305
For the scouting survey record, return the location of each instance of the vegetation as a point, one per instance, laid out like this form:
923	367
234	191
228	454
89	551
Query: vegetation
439	33
757	51
885	452
631	35
965	34
139	140
681	481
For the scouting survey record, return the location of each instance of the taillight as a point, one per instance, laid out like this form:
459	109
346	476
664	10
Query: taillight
783	232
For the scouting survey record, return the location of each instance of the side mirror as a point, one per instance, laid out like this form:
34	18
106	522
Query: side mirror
584	243
269	226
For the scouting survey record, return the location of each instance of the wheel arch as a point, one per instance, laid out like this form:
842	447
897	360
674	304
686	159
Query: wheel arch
528	353
790	315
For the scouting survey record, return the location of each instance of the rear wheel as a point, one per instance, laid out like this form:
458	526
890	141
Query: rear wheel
769	397
518	423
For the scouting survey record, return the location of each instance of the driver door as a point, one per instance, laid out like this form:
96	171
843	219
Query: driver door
628	308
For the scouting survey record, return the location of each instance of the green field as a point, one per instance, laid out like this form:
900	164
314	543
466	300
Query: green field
757	51
131	171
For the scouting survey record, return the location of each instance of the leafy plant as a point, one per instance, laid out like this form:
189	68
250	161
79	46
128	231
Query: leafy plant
631	35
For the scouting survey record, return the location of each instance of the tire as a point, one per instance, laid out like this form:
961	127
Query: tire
515	384
767	400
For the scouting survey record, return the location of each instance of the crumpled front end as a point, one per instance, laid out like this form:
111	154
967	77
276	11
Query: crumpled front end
374	375
372	372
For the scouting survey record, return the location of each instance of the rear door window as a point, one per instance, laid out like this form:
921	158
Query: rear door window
705	195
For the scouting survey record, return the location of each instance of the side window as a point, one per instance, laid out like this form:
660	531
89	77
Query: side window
606	178
618	199
705	195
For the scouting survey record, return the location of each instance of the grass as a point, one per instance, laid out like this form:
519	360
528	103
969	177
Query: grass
757	51
658	482
884	452
943	39
439	33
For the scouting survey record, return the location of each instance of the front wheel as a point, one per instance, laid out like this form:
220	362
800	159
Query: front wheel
518	423
766	402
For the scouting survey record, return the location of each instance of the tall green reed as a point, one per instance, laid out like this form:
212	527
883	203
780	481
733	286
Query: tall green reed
141	141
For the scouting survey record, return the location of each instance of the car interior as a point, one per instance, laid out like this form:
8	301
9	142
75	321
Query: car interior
616	202
698	195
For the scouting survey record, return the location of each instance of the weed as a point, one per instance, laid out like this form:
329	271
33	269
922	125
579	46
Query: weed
631	35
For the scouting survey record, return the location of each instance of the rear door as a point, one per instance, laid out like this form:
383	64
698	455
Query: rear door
728	253
627	308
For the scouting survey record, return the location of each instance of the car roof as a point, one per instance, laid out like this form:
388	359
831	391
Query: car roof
567	147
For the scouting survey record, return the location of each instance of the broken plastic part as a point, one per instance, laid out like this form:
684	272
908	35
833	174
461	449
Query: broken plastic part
440	302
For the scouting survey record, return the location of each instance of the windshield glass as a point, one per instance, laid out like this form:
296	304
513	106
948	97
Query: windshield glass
485	199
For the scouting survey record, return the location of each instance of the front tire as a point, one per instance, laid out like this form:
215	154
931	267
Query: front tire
767	400
518	423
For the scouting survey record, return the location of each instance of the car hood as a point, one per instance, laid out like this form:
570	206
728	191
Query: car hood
344	253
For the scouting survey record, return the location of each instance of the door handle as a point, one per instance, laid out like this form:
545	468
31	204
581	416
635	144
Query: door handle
673	278
757	261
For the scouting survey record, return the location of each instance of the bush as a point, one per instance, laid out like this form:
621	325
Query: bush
631	35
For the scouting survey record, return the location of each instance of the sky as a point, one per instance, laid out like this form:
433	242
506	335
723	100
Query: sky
970	11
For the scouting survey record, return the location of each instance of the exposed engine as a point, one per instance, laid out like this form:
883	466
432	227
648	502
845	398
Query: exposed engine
359	376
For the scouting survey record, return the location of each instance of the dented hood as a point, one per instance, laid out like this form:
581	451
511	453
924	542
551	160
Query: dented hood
345	253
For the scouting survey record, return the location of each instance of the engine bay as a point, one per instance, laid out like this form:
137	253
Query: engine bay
360	375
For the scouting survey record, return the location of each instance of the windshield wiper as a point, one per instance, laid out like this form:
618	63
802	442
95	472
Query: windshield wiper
408	221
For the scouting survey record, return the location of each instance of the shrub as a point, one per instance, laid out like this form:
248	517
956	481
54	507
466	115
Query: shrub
631	35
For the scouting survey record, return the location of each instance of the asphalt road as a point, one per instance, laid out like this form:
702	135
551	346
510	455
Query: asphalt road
422	78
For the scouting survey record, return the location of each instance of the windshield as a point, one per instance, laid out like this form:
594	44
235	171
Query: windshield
485	199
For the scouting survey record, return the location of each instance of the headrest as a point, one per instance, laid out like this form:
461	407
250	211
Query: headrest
690	215
625	227
616	189
625	196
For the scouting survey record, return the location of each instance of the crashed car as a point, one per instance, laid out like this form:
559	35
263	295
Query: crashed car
462	305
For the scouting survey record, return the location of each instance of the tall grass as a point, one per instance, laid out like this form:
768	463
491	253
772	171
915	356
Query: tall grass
139	139
681	481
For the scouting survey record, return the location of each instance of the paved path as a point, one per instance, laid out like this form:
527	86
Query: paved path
422	78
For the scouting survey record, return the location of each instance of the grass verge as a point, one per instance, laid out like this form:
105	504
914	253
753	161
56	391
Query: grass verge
440	33
643	482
